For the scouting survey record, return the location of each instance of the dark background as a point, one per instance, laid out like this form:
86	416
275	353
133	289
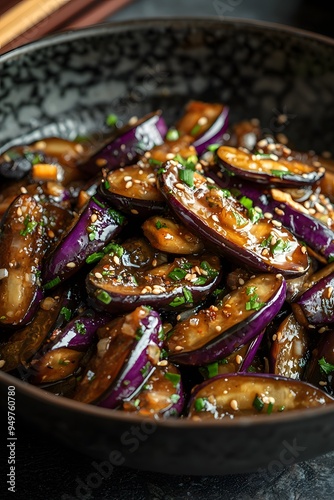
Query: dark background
47	471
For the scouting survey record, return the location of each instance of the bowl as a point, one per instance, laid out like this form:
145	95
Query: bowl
65	85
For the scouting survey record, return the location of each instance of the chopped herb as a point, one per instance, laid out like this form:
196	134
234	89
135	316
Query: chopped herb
246	202
195	129
212	273
255	215
64	362
213	147
212	369
189	162
136	403
263	156
153	161
114	249
200	404
104	297
177	274
118	218
188	296
160	224
92	235
186	265
331	258
98	202
80	328
66	312
250	290
258	403
200	281
161	171
111	120
161	334
218	291
239	218
281	408
174	378
145	370
94	257
172	134
280	173
126	382
281	246
325	367
163	353
270	408
106	184
52	283
266	241
251	369
174	398
29	226
187	176
177	301
253	304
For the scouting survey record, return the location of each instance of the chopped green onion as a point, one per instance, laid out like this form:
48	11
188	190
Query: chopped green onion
66	312
174	378
279	173
174	398
52	283
104	297
195	129
258	403
325	367
212	273
177	301
98	202
118	218
212	369
153	161
200	404
270	408
187	176
246	202
160	224
253	304
188	296
200	281
106	184
172	134
213	147
145	370
111	120
177	274
80	328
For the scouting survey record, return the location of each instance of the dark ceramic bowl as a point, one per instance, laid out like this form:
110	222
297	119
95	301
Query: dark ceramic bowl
65	85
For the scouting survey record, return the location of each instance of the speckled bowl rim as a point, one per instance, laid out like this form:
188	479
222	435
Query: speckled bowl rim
45	397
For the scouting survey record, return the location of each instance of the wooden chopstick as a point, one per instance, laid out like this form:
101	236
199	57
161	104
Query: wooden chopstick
25	15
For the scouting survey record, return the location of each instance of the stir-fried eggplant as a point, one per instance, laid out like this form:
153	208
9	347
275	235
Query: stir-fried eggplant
236	395
320	368
132	274
214	333
218	217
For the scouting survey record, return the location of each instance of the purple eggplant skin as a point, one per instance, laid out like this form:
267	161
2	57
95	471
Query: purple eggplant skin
140	363
61	357
216	216
316	305
134	274
127	353
131	141
22	249
95	227
237	395
238	361
319	370
162	395
267	169
290	349
215	333
215	132
315	233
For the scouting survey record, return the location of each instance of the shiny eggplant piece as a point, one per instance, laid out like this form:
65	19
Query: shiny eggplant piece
290	349
124	360
204	122
237	395
169	236
216	216
22	249
62	356
133	190
314	232
96	226
316	305
15	165
320	368
238	361
133	274
161	396
131	141
267	169
214	333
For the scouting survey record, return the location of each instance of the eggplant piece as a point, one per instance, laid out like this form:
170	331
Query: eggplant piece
161	396
133	274
166	235
216	332
267	169
131	142
15	166
205	122
180	147
22	249
320	368
290	349
316	305
238	361
124	359
216	216
96	226
237	395
133	190
62	356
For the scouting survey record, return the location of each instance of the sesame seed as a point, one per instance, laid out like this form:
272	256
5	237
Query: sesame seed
274	337
258	210
279	211
179	348
154	262
203	120
225	392
214	308
2	363
101	162
322	329
134	211
241	281
303	250
98	275
19	211
93	217
194	321
163	362
312	211
218	328
273	240
116	260
262	143
147	154
133	120
322	382
127	178
51	234
329	292
319	207
282	118
282	138
238	359
215	218
23	190
228	306
128	185
311	327
268	215
140	172
276	223
234	404
71	265
265	251
209	180
180	186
